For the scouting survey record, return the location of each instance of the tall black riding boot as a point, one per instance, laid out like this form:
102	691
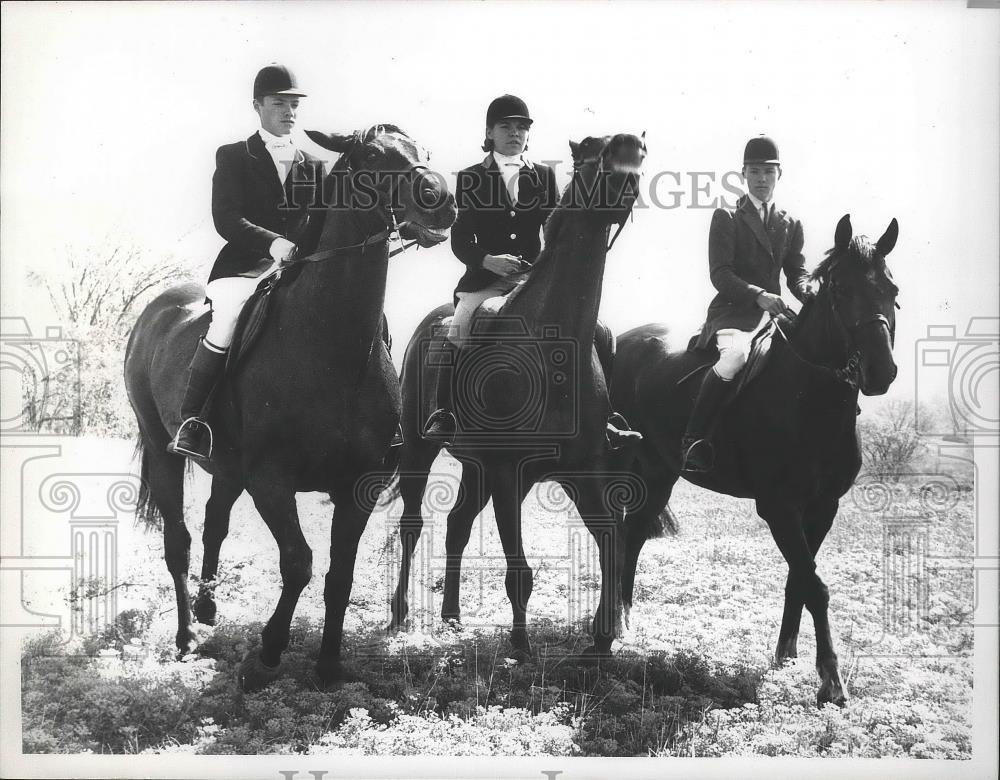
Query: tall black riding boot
442	425
617	431
206	368
696	449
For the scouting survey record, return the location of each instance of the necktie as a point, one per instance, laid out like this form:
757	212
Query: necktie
512	180
763	213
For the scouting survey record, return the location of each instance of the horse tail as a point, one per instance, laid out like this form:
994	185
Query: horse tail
147	514
648	526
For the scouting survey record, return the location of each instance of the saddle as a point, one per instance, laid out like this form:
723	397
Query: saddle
250	323
760	349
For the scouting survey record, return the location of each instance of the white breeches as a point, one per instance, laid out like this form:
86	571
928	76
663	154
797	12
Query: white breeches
468	302
734	349
227	296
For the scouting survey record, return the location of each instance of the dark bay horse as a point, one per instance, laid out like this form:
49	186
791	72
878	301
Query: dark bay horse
788	439
312	408
530	397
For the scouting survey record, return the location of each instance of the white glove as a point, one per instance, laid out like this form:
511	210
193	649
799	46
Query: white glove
281	249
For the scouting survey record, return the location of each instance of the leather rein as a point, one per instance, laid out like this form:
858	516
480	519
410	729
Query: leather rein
848	373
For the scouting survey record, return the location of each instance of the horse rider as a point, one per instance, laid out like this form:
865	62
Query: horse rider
261	193
503	203
748	247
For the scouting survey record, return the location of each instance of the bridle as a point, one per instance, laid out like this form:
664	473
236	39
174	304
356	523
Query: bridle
390	232
848	373
599	161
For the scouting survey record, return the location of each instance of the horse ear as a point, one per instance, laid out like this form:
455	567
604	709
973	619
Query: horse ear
842	237
885	244
335	142
643	136
574	148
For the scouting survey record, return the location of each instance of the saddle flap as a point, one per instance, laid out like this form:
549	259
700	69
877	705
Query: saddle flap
760	348
251	321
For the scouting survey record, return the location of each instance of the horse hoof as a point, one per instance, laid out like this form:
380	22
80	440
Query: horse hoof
453	624
394	627
190	638
831	697
253	674
332	674
521	655
594	655
205	611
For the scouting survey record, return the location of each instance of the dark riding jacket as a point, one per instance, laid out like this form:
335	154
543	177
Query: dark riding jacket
746	259
251	207
488	223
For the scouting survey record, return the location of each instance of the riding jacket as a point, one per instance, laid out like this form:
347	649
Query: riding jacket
745	258
252	207
489	223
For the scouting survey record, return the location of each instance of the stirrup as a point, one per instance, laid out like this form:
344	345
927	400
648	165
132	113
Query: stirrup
193	423
436	416
688	463
623	434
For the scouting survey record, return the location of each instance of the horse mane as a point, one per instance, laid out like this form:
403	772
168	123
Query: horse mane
859	249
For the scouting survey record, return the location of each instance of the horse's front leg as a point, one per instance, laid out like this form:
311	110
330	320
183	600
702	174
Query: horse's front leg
817	520
509	489
274	498
785	522
350	516
220	504
472	497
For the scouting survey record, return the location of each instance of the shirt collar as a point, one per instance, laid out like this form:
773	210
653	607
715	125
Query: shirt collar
758	203
266	137
500	159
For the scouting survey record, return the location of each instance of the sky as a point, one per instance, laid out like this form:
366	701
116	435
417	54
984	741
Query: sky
111	115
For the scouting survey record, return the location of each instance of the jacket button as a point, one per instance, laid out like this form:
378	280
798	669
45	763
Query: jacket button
513	235
513	213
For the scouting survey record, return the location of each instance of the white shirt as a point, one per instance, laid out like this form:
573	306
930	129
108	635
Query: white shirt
510	167
282	151
759	205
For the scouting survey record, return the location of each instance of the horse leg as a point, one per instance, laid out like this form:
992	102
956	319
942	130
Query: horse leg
508	492
640	526
472	497
350	516
593	503
818	520
786	526
165	480
275	500
220	503
415	465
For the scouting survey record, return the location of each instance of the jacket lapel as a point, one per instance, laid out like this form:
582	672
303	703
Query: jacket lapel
263	163
752	218
779	232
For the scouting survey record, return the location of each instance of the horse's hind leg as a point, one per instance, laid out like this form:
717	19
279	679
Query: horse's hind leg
472	497
818	519
165	480
415	463
220	503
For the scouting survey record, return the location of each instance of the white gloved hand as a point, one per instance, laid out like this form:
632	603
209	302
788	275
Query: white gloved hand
281	249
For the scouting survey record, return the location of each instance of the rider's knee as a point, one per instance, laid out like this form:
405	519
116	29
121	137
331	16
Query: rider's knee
730	363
